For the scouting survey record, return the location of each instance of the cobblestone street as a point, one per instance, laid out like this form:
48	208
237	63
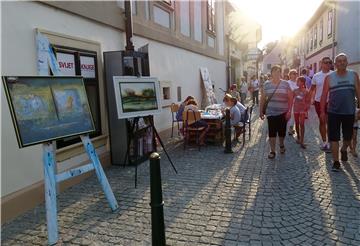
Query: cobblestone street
215	199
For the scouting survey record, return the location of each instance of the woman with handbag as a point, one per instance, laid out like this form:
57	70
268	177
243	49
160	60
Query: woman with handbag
275	102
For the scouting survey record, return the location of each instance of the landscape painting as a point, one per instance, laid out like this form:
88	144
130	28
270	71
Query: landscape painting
137	96
48	108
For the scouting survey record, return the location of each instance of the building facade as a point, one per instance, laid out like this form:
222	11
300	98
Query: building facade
334	28
182	36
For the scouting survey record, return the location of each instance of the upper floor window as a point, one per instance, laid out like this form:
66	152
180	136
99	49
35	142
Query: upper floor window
311	39
211	15
330	23
315	37
321	30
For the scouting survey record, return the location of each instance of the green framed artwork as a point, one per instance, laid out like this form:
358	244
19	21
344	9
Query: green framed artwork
47	108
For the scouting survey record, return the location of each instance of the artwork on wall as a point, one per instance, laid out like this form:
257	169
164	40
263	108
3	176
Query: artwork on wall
136	96
47	108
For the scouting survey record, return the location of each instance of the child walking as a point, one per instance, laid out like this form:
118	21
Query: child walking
301	107
354	136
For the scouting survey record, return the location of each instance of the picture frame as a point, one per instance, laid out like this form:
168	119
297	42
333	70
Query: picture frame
47	108
137	96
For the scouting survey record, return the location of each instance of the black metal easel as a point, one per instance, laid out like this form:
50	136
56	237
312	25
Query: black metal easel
135	126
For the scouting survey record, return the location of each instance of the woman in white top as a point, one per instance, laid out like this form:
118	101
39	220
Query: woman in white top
254	89
243	90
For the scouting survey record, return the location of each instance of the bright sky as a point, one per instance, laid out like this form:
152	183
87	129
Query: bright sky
278	18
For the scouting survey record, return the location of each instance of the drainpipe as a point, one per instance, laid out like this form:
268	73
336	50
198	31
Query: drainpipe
334	23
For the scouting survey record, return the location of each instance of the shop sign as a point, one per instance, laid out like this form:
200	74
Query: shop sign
66	63
87	65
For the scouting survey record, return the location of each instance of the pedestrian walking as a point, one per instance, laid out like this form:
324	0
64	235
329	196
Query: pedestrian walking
243	90
316	91
301	107
354	136
340	87
293	86
275	103
304	73
254	88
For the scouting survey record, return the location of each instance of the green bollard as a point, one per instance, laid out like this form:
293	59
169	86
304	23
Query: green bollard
156	202
227	132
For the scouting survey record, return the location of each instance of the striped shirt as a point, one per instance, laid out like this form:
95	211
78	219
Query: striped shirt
278	103
342	93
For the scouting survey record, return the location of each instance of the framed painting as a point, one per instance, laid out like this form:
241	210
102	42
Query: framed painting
136	97
44	108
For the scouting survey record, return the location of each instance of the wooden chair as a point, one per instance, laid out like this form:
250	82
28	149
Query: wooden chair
190	117
174	108
243	123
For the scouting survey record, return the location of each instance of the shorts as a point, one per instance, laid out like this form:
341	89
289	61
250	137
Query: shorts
317	108
277	125
199	123
337	121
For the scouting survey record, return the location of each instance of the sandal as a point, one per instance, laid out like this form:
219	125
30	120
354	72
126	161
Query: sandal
282	149
271	155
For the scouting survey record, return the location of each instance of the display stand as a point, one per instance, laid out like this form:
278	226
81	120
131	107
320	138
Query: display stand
135	127
52	179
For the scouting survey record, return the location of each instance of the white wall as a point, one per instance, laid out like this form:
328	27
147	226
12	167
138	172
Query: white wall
182	68
23	167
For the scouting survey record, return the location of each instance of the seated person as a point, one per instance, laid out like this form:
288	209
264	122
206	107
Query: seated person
182	107
234	93
240	106
192	105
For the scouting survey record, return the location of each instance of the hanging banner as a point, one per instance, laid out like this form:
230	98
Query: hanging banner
87	64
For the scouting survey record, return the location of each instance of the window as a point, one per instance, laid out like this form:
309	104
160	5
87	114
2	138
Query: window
269	66
315	37
161	17
211	15
311	39
315	67
330	23
321	31
197	21
166	93
185	17
81	62
179	93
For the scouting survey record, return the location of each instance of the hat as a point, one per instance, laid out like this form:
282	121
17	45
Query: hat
228	96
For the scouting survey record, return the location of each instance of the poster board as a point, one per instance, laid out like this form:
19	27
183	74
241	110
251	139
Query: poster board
47	108
136	96
208	91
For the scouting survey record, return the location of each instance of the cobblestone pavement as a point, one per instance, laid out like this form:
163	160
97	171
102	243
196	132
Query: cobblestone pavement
216	199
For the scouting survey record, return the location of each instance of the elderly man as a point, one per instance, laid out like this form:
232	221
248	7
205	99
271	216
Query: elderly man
341	87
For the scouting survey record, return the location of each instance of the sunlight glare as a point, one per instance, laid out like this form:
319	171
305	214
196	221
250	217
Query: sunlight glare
278	18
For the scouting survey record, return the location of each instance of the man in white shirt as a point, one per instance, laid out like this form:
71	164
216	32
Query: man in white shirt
293	86
316	91
254	87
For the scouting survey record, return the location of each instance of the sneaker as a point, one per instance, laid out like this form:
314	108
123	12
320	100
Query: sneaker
336	166
344	155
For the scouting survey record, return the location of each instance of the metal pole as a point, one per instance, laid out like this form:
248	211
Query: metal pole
156	202
128	26
227	132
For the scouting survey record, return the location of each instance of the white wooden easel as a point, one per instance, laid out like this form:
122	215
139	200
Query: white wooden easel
52	178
